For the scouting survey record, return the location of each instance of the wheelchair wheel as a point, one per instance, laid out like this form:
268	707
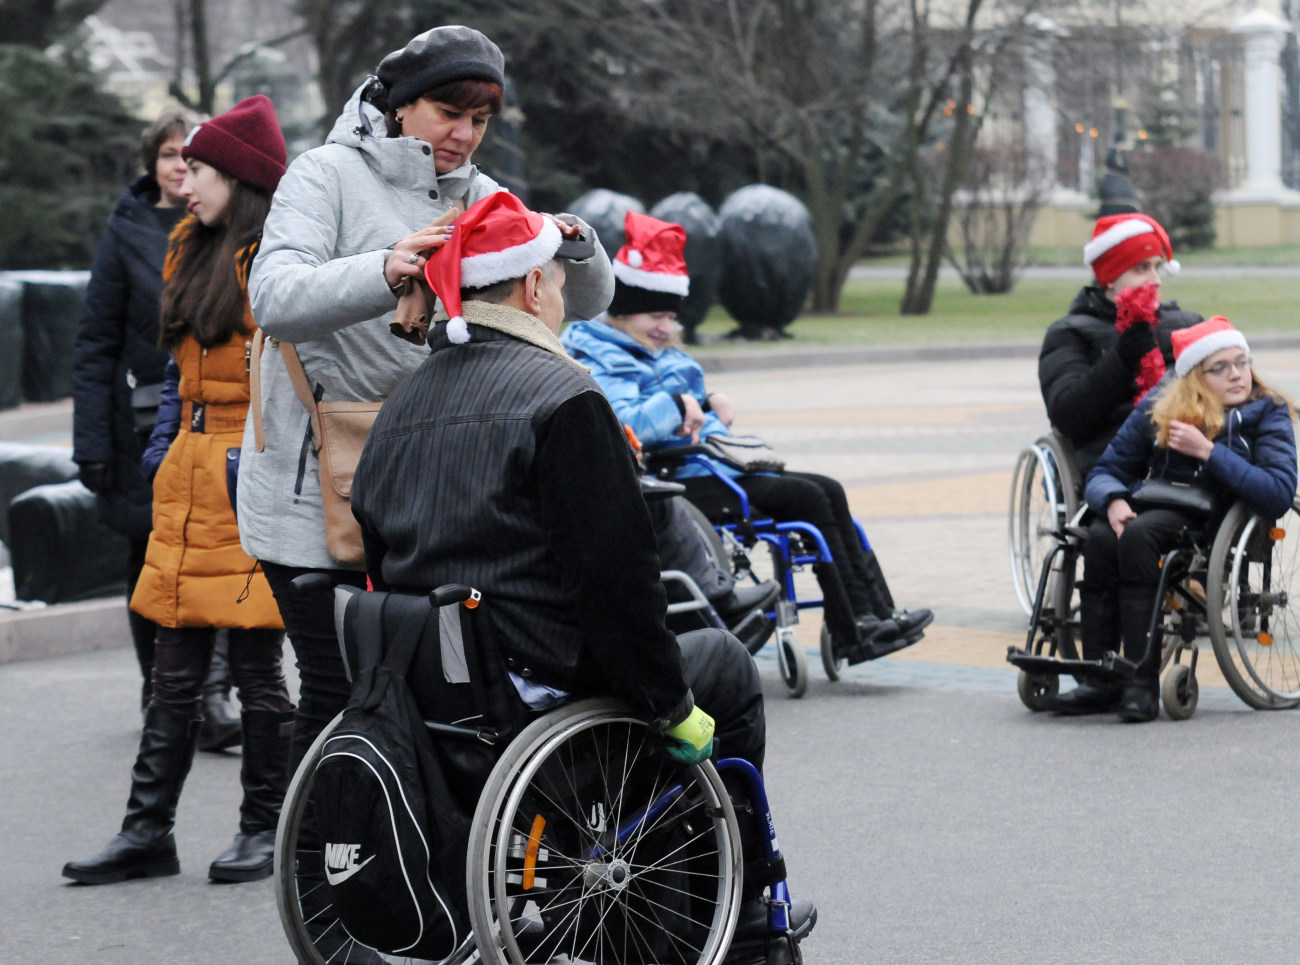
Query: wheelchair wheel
1179	692
591	845
712	541
832	664
1254	626
1036	689
315	933
792	661
1043	496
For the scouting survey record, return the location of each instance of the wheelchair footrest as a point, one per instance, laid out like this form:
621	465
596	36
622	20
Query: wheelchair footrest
1110	667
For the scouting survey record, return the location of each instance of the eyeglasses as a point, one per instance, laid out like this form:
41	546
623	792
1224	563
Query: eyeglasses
1220	369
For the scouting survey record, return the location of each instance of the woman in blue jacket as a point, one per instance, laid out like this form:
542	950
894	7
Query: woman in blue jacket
659	391
1215	426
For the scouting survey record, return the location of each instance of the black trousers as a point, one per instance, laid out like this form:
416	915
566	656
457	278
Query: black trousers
323	684
143	630
182	657
820	500
1120	578
725	682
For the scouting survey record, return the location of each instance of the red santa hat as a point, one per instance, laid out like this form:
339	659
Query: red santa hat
1194	345
1120	241
650	270
496	239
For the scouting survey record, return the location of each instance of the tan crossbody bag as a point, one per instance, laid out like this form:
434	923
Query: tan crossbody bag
338	431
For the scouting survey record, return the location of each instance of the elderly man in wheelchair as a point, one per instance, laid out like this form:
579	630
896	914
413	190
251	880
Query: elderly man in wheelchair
1162	537
500	465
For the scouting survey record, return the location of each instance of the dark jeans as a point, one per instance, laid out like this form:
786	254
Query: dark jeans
725	682
182	656
819	500
323	684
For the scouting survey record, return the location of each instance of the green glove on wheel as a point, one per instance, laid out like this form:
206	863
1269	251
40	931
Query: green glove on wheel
691	740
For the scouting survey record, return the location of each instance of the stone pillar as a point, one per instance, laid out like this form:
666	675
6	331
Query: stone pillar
1040	92
1262	37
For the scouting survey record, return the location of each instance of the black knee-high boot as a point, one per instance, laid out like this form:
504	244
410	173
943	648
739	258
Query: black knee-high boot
220	727
145	848
265	775
1098	634
1141	697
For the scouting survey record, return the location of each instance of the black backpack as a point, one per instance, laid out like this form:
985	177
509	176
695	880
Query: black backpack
393	800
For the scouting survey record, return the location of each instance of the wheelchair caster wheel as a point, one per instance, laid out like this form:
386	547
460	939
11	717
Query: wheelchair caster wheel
1179	692
832	664
792	661
1036	690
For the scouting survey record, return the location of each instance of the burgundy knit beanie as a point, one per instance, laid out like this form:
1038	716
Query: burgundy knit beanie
244	143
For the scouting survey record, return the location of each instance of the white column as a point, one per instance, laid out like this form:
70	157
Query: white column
1040	91
1262	37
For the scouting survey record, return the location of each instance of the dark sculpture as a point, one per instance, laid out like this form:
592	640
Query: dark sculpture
605	211
769	259
703	254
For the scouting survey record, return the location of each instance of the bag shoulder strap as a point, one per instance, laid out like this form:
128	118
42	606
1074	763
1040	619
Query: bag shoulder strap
298	377
255	388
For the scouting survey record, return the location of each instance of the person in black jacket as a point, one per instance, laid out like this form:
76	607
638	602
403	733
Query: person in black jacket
1094	366
118	374
500	464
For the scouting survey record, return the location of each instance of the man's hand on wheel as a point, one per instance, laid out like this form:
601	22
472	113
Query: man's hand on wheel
691	740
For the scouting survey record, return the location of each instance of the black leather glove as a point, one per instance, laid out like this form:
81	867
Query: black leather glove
1135	342
96	476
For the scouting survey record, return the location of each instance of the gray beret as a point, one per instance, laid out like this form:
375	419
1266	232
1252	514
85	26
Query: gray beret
437	57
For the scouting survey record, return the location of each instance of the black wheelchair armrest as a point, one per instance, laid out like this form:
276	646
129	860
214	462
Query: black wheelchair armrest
654	488
673	456
311	584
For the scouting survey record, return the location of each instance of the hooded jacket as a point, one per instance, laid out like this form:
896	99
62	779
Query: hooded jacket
1254	458
641	385
318	282
117	345
1086	386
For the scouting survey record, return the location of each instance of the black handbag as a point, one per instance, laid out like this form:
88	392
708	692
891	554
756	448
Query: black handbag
1189	497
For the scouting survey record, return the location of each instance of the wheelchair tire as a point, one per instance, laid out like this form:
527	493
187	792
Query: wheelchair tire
1179	692
1036	690
1044	495
832	664
792	661
315	934
712	541
564	860
1254	624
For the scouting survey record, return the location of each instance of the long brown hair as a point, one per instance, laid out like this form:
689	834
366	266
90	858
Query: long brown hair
1188	399
203	296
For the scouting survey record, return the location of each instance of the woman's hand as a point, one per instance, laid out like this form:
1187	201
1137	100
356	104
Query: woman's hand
721	407
1189	440
1118	513
409	255
692	419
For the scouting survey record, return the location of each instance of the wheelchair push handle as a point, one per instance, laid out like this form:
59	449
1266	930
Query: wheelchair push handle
450	593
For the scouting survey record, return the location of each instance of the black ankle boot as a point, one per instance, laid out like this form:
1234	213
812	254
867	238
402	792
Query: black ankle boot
220	727
1140	701
264	774
145	848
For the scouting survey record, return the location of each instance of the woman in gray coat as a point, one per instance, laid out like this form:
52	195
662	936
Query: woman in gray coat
349	222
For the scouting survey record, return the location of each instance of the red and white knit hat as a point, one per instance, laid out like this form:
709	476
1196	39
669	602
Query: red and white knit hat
1120	241
496	239
1194	345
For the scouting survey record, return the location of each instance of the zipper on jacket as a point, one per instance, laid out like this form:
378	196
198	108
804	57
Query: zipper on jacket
306	446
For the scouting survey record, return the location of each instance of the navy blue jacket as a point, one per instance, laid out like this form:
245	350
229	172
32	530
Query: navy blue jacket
119	333
1254	459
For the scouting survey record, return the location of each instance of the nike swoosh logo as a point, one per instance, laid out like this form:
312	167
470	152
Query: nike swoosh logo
336	878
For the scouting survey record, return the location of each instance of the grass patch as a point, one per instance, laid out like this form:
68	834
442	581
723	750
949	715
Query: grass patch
870	312
1070	256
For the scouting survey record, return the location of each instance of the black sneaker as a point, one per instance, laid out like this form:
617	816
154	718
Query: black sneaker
1140	702
743	600
750	940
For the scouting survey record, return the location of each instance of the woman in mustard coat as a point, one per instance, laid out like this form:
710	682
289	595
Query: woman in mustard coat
196	578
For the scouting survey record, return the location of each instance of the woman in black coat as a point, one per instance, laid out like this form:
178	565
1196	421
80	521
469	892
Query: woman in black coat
118	372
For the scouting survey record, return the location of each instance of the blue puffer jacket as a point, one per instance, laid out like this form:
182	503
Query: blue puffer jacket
1254	458
641	384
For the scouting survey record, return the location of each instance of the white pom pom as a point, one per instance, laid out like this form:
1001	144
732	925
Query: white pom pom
634	258
457	330
1173	267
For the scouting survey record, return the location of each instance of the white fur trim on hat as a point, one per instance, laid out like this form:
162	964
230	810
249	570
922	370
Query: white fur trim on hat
1203	348
652	280
1116	234
479	271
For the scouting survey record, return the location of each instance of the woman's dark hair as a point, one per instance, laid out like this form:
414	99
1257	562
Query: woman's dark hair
204	296
173	121
464	95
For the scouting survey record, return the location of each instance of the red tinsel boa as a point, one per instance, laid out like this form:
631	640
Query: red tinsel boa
1135	306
